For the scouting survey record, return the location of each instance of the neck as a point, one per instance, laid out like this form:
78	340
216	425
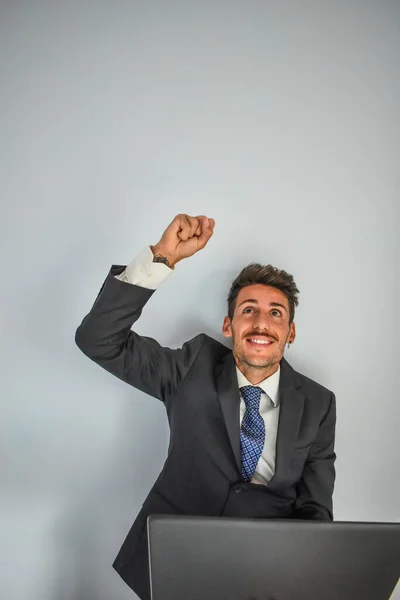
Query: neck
256	374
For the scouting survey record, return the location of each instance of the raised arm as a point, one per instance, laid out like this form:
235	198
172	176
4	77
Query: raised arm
105	334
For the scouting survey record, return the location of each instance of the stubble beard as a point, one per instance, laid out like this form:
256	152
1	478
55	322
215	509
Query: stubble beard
257	363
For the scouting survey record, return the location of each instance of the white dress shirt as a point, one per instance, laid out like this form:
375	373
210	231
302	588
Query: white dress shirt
269	410
142	271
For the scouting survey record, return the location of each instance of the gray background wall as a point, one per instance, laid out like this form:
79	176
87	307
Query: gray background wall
281	121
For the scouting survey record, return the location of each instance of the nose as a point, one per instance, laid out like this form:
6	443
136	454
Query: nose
261	322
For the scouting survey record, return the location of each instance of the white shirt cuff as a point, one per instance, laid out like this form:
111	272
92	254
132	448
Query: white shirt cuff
142	271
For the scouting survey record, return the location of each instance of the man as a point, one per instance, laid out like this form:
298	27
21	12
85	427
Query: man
250	437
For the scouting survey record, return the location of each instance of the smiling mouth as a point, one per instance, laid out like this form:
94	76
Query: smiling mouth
259	343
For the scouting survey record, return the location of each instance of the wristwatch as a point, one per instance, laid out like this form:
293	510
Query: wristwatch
161	259
158	258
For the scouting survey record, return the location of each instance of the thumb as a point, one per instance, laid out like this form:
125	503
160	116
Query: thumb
207	230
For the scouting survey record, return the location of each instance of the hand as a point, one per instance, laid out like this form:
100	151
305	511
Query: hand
184	237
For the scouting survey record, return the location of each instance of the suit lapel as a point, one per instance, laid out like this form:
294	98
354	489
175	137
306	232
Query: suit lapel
229	398
291	401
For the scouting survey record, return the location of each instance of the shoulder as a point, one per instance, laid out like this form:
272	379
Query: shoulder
319	399
314	391
313	386
207	347
206	343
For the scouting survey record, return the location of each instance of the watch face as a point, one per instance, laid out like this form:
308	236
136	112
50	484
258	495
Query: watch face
161	259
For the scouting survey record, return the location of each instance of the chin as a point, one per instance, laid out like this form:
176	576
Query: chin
260	362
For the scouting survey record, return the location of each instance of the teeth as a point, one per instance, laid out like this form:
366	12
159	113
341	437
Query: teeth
260	342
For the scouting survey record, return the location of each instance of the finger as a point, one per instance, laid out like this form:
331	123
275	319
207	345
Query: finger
206	223
185	227
190	225
179	223
194	225
200	219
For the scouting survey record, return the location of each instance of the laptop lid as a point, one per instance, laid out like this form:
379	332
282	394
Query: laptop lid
214	558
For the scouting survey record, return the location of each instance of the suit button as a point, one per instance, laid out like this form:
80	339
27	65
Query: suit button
237	488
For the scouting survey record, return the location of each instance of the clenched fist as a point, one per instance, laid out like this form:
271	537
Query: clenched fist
184	237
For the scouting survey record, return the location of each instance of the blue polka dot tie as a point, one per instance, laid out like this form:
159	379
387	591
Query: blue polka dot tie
252	431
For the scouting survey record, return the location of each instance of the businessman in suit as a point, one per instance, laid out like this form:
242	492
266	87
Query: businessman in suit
249	436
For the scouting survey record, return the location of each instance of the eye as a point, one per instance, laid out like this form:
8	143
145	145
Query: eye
247	308
275	310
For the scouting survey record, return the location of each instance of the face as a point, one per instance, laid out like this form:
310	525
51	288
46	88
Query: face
260	328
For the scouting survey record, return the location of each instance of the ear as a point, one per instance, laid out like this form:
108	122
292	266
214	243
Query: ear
292	332
226	327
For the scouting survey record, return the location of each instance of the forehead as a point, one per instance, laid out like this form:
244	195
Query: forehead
264	294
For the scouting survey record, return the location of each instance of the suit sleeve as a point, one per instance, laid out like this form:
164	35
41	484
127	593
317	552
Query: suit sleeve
315	488
105	336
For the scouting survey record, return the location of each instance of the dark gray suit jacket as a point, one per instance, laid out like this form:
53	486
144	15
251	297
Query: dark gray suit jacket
198	386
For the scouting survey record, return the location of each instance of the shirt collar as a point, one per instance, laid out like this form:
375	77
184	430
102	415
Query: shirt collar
270	385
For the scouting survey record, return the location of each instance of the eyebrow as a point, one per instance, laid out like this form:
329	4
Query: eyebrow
254	301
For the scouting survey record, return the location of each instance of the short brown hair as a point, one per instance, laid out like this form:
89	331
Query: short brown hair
267	275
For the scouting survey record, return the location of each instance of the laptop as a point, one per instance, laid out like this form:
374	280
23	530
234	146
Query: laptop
215	558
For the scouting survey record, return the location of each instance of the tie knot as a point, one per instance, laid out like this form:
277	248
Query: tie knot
251	395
